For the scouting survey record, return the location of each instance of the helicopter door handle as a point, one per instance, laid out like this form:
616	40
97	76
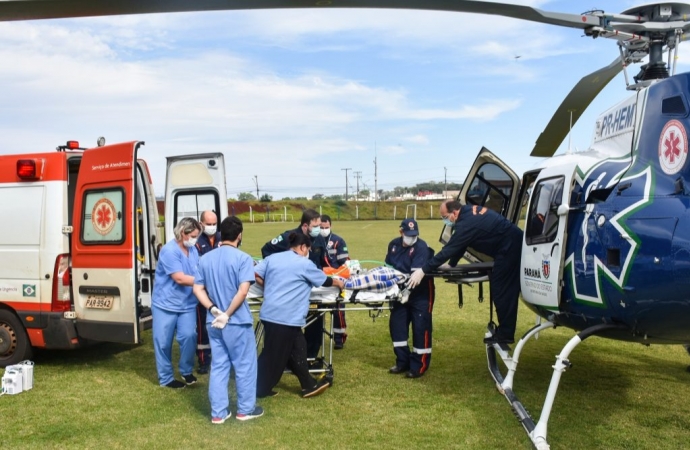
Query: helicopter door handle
555	244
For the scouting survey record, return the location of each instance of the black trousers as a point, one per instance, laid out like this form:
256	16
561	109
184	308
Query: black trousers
284	346
203	347
314	336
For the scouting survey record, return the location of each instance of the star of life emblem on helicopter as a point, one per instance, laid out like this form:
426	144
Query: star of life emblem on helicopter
673	147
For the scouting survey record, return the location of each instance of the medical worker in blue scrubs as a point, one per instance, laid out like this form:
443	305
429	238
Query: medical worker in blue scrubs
287	278
221	285
173	304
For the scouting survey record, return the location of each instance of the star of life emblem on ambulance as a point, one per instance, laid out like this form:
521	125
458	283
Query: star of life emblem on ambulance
103	216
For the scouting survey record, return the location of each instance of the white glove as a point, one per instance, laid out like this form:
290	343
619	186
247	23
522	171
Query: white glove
415	279
215	312
220	321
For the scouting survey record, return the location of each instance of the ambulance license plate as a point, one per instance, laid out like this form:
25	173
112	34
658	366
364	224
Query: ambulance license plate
99	301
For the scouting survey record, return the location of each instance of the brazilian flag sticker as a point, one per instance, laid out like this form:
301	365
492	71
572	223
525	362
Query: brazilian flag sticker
29	290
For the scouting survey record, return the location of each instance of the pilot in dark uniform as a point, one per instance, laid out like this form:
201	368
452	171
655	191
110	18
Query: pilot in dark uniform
406	254
208	240
489	233
336	257
311	226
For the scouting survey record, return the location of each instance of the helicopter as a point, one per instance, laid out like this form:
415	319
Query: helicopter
606	248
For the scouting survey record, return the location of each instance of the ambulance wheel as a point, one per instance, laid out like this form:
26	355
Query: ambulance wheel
14	342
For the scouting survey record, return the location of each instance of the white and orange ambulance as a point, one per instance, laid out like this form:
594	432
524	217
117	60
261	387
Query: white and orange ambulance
79	238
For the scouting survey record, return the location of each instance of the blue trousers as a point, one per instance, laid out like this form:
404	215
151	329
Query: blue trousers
165	325
416	312
233	347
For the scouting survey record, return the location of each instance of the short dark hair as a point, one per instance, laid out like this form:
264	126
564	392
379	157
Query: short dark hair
452	205
326	218
230	228
308	215
299	239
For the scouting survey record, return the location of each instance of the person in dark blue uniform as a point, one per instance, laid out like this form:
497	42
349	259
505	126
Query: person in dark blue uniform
335	257
208	240
407	254
489	233
310	225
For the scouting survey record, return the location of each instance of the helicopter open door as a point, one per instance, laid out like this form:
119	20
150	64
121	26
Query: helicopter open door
546	221
490	183
194	184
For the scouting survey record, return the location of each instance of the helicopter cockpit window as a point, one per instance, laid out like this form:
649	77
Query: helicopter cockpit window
491	187
542	219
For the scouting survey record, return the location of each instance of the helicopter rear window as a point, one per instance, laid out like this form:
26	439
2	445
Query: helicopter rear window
674	106
542	218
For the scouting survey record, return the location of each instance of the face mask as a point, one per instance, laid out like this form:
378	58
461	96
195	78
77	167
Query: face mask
315	231
191	242
409	240
448	222
210	229
239	243
325	232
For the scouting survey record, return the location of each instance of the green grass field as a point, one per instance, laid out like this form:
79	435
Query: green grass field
616	396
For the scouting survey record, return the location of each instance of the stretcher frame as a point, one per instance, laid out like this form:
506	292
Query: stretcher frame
322	365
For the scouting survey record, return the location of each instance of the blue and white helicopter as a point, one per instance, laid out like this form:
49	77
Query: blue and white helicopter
607	230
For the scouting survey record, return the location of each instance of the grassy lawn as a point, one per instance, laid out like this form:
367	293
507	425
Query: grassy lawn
616	396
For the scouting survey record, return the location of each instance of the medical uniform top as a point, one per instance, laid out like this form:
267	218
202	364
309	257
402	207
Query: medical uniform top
221	272
167	294
485	230
317	252
288	279
336	250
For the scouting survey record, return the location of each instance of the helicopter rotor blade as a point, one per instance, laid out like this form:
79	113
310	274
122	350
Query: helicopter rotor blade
54	9
577	101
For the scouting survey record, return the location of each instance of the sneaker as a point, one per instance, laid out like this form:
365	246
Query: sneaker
175	384
316	390
270	394
189	379
219	420
258	412
202	370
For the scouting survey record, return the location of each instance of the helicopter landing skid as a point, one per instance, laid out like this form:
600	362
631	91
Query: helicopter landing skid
536	432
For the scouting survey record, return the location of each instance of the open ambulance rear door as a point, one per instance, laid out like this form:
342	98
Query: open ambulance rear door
194	184
105	275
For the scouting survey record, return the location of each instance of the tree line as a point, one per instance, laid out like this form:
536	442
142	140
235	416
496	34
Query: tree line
398	191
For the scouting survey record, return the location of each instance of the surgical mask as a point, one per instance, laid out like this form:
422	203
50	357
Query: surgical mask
325	232
191	242
409	240
210	229
315	231
448	222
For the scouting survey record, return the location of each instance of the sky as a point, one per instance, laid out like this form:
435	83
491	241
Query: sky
293	97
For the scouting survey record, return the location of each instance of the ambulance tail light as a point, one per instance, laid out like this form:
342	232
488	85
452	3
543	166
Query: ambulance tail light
62	299
30	169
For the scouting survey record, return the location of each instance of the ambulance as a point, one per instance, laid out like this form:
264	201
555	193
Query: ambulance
79	241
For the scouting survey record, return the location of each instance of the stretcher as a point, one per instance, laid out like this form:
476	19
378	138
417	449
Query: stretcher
325	302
